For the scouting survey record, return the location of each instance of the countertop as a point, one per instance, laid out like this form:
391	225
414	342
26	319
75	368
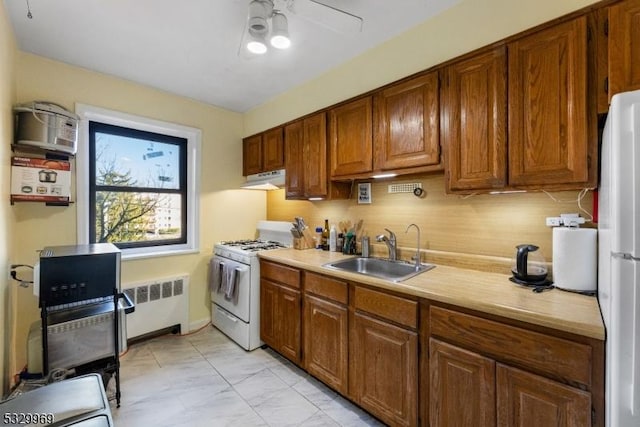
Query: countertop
491	293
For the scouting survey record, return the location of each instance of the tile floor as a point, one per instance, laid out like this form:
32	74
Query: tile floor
205	379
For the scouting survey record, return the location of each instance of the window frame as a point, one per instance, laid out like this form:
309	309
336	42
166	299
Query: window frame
88	114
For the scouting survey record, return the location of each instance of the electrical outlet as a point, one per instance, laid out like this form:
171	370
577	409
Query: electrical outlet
553	221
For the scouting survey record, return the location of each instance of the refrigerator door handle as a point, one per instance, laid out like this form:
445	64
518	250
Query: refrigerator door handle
635	356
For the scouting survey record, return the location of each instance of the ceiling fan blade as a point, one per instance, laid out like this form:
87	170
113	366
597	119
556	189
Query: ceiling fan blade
328	16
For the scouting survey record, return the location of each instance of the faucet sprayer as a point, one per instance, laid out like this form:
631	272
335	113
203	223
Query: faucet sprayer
417	256
390	242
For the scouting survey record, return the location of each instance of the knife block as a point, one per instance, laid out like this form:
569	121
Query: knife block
300	243
305	242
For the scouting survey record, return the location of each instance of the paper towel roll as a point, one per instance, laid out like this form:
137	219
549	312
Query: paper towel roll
575	259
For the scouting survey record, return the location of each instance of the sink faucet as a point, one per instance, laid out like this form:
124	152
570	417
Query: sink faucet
391	244
417	256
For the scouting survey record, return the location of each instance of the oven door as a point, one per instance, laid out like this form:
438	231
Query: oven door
238	306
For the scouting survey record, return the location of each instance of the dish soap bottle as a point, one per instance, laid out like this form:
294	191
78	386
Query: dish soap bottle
333	239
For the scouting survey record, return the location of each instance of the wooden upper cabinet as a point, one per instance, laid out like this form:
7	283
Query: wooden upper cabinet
351	138
315	164
624	46
263	152
548	133
406	118
294	160
252	155
273	149
306	158
474	122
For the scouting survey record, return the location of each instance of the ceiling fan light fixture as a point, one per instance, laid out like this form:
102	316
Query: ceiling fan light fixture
279	31
256	45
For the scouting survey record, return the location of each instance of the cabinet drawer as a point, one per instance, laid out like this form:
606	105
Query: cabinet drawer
332	289
400	310
555	356
280	274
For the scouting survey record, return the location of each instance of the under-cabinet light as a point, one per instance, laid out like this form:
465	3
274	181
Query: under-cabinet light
508	192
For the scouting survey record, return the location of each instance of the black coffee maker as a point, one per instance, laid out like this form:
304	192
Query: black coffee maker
528	267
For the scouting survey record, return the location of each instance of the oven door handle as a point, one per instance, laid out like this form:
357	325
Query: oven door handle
227	315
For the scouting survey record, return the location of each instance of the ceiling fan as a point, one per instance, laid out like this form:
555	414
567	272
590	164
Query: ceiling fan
258	34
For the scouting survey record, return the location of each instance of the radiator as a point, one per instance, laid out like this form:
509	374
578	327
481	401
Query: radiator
160	304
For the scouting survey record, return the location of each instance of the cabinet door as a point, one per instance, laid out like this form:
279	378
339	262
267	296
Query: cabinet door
384	370
524	399
624	47
407	124
548	138
474	122
462	387
252	155
289	314
350	134
268	313
294	160
273	149
315	164
325	342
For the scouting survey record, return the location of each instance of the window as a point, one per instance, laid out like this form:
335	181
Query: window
136	184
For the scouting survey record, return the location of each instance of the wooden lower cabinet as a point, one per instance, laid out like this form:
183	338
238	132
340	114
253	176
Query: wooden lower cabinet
290	302
462	387
468	389
280	319
485	373
397	356
326	342
384	370
525	399
269	313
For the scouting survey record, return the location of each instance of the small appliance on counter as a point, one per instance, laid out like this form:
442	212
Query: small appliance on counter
529	268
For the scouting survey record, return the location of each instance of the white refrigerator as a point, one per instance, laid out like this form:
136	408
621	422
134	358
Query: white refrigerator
619	258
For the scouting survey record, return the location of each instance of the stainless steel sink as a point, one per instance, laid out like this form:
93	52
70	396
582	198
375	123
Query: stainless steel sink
396	271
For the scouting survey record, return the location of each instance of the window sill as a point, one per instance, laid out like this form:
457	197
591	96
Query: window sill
136	254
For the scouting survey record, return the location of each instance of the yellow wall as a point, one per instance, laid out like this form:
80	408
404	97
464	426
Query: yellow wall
225	211
488	224
469	25
7	98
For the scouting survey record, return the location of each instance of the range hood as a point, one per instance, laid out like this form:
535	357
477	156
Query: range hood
272	180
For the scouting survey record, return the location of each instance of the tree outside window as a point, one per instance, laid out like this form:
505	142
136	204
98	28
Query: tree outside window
137	188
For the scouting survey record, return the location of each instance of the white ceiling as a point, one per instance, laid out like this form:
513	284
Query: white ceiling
191	47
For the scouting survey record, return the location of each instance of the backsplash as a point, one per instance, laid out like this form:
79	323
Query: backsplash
484	224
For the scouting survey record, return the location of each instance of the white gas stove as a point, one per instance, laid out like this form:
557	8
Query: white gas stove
234	279
242	250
